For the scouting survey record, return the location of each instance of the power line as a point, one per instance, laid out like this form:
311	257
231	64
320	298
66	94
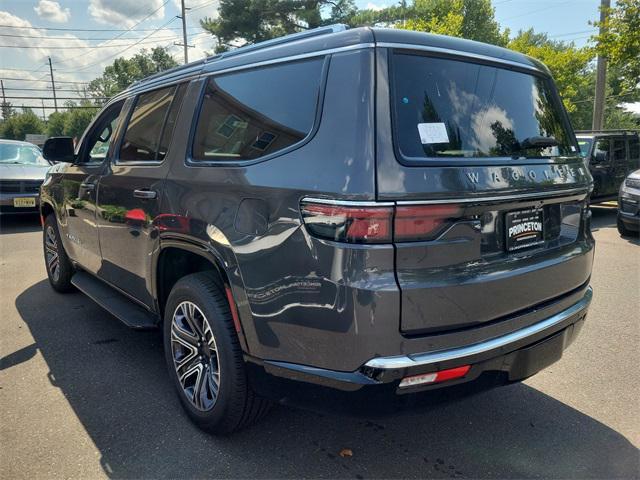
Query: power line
68	107
46	89
87	46
39	80
41	37
138	23
53	98
117	53
87	29
555	5
593	30
202	5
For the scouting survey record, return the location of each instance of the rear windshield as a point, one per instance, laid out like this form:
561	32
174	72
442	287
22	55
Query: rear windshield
450	108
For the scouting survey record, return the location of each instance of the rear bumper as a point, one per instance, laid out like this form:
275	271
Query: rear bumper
631	222
514	356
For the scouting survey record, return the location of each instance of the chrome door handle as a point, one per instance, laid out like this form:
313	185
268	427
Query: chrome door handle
148	194
88	186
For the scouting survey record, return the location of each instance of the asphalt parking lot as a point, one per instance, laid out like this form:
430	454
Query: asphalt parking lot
83	396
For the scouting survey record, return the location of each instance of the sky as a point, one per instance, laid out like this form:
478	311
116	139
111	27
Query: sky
83	37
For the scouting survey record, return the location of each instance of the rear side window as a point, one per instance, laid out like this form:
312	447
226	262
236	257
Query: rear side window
634	148
452	108
141	141
619	150
585	145
251	114
601	151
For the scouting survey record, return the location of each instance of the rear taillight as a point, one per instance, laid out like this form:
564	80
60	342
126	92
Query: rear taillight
423	222
377	224
348	224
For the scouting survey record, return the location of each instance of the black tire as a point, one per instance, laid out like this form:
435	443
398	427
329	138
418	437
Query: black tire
59	267
623	230
235	405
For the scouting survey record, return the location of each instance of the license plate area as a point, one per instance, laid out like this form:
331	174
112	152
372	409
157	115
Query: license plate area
524	229
24	202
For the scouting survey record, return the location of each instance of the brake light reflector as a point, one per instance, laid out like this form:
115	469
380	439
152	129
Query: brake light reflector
423	222
348	224
435	377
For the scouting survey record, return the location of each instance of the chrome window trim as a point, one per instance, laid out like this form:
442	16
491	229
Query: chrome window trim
459	53
422	359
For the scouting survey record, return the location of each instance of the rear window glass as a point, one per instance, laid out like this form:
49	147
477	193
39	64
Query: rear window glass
250	114
452	108
585	146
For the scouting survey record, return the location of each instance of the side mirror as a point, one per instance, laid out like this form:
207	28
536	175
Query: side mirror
58	149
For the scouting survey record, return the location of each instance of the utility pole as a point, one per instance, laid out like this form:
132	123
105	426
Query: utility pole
184	33
4	100
601	73
53	86
44	115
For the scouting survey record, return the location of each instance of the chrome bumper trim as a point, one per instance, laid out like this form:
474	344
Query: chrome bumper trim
421	359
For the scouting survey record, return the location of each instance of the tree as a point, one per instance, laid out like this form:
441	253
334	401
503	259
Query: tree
123	72
7	110
615	115
78	119
620	42
17	126
569	65
251	21
55	124
471	19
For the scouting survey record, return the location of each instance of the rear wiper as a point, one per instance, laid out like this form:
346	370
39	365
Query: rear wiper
538	142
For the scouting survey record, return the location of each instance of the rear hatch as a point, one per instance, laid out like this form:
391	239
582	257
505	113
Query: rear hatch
489	189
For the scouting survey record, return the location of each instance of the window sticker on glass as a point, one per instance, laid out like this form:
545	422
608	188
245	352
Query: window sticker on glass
433	133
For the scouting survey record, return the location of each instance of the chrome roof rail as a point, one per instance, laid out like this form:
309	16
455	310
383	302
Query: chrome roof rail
338	27
314	32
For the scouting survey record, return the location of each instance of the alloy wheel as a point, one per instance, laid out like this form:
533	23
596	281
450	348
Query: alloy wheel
195	356
51	247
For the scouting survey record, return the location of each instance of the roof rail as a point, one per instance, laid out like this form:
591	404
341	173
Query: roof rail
611	130
314	32
162	73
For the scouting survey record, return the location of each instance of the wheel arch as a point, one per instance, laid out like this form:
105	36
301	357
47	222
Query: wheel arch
46	208
178	258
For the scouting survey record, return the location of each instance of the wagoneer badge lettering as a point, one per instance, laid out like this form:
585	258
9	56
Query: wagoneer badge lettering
506	174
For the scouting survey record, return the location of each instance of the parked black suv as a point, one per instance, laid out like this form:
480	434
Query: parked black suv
364	210
611	156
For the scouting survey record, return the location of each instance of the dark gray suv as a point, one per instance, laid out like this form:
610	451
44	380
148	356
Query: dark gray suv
375	211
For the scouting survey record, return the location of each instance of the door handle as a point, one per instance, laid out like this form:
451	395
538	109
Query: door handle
148	194
88	186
